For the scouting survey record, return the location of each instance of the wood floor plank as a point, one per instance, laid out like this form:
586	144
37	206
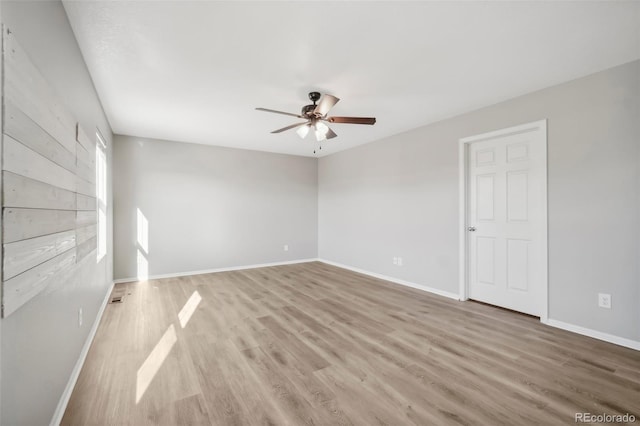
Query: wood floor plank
319	345
277	386
210	357
294	344
301	376
187	411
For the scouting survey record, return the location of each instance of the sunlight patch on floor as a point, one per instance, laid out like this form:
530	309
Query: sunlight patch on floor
189	308
154	361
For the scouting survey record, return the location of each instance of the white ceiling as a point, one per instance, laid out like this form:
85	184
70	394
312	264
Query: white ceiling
195	71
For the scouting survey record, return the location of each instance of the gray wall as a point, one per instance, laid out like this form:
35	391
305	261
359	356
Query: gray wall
399	197
41	342
210	207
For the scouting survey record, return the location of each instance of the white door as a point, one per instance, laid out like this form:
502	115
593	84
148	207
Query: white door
506	218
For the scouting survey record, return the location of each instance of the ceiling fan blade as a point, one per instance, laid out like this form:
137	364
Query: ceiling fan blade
331	134
352	120
290	127
279	112
326	103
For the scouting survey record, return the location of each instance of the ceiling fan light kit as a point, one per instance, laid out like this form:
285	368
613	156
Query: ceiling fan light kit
316	115
303	131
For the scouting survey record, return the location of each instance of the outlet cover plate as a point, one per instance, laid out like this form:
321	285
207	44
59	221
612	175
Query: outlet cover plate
604	300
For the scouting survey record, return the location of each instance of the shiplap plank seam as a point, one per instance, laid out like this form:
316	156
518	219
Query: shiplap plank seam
86	248
84	157
85	172
30	102
85	188
23	255
85	233
23	192
30	91
85	202
21	128
24	161
85	218
20	224
22	288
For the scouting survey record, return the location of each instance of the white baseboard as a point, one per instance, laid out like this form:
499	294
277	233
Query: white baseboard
454	296
66	395
617	340
210	271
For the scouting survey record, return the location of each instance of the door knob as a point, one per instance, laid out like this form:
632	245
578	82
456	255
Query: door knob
472	229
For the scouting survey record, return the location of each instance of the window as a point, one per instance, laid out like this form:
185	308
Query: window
101	195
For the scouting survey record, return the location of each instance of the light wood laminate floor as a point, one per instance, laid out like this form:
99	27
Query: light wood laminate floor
315	344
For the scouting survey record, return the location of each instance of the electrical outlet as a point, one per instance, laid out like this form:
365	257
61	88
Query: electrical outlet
399	261
604	300
286	247
395	260
79	317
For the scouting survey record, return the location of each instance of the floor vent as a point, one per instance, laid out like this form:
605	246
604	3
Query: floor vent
116	299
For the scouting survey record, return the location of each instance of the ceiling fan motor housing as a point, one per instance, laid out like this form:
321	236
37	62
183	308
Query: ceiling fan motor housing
307	110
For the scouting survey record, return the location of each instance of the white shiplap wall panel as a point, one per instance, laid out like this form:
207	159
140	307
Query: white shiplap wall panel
48	185
20	191
85	218
85	157
86	249
84	202
19	289
85	234
23	161
29	91
86	173
85	188
21	128
26	254
20	224
87	143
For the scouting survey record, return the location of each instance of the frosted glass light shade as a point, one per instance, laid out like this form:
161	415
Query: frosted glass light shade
321	131
303	131
321	127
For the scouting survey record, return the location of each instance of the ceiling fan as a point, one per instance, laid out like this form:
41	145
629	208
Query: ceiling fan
315	116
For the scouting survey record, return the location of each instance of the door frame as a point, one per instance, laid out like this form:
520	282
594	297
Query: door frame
463	162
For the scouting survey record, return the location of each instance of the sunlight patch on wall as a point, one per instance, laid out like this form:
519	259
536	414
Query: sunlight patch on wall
143	267
143	231
142	241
